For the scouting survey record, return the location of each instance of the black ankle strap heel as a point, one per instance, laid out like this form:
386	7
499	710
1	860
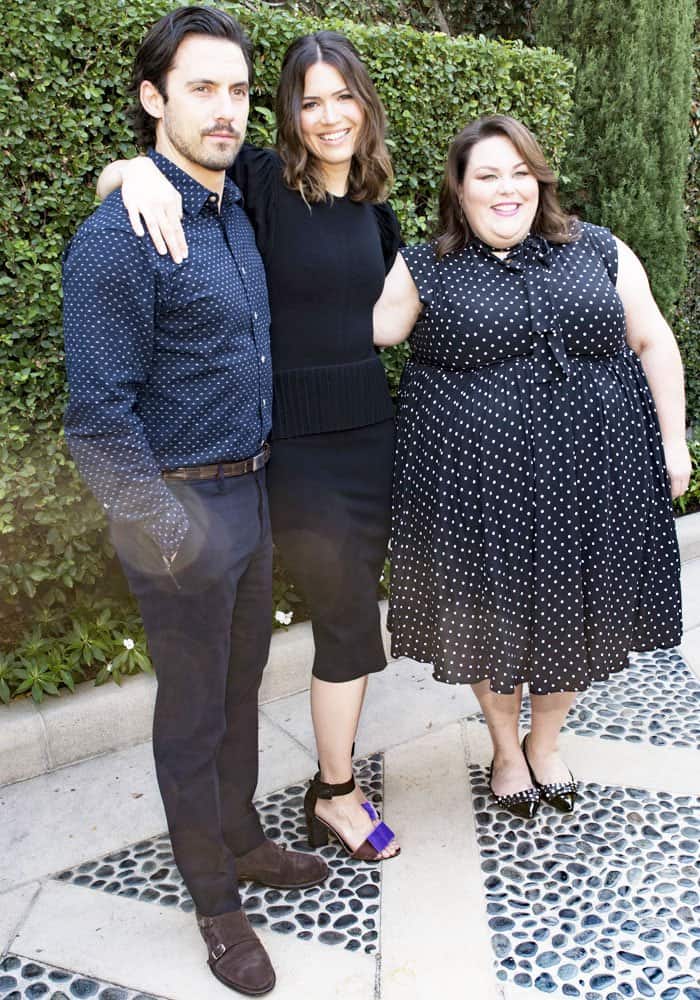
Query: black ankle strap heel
318	830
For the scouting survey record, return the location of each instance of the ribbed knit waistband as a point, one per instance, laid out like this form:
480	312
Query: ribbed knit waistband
330	398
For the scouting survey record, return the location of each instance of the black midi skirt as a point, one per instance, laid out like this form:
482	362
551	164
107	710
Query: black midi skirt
330	503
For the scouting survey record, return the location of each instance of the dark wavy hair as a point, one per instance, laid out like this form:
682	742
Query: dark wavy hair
156	55
550	222
371	173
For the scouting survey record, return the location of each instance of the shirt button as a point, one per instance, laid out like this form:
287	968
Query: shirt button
242	270
264	402
262	359
255	315
213	199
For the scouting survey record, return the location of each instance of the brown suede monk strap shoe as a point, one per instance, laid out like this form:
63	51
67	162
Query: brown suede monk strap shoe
236	954
273	865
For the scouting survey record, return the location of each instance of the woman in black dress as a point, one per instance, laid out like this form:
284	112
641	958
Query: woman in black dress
327	238
533	538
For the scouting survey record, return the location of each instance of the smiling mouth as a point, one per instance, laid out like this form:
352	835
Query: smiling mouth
335	137
506	208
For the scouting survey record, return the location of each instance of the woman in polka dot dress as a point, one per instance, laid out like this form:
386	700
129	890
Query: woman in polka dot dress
532	539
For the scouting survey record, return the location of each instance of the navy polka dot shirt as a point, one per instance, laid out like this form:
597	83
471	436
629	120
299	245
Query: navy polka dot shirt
168	364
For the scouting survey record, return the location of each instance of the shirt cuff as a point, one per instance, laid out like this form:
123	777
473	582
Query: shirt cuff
168	531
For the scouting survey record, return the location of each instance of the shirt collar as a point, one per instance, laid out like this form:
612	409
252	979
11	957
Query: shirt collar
532	246
194	195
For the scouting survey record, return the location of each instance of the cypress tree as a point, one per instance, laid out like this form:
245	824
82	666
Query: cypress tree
627	163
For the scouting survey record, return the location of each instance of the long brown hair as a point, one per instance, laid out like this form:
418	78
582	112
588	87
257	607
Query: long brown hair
370	171
550	221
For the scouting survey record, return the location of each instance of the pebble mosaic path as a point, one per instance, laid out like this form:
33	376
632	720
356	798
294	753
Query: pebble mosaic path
24	979
603	904
656	700
343	911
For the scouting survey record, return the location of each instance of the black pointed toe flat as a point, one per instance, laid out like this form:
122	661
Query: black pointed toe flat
523	804
560	794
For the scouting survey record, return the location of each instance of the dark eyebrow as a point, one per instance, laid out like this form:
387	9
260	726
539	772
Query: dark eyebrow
485	166
314	97
213	83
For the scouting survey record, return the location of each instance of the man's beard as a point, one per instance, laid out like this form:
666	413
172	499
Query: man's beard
193	149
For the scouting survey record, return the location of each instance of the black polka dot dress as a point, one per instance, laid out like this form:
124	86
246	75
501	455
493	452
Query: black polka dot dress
532	536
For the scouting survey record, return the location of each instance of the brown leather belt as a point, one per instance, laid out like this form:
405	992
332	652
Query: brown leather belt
220	470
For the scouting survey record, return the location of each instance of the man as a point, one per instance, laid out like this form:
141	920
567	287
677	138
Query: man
170	391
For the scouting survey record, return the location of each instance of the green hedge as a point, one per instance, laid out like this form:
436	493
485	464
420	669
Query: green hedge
687	318
627	163
493	18
63	73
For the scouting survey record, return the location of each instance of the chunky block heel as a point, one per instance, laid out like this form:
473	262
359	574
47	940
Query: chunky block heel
316	831
318	834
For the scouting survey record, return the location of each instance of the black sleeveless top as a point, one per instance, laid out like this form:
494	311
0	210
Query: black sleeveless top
325	266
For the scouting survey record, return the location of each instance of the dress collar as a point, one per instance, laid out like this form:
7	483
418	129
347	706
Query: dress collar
533	247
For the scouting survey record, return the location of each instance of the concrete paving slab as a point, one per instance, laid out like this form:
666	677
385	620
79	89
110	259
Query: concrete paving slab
160	951
434	934
688	534
282	760
289	668
14	908
690	649
58	819
690	587
403	702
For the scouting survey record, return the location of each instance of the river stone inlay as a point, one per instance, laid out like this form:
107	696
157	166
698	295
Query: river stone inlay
343	911
655	700
602	904
24	979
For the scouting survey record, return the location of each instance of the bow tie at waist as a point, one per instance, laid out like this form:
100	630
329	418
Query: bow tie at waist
549	358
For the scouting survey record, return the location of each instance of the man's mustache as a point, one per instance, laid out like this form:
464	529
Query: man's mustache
222	130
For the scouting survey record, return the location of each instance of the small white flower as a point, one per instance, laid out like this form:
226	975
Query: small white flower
284	617
129	643
109	667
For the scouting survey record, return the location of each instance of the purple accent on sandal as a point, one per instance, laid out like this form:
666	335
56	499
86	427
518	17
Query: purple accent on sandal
369	808
381	837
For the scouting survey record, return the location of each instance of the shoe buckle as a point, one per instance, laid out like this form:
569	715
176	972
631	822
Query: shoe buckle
218	950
